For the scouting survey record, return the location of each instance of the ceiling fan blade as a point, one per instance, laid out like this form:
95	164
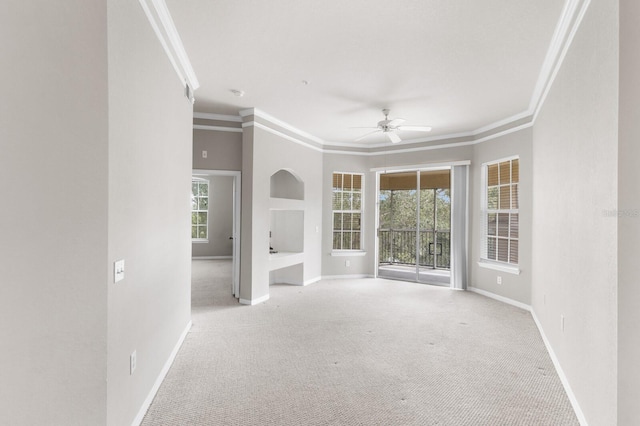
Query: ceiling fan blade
415	128
393	137
367	134
396	122
369	127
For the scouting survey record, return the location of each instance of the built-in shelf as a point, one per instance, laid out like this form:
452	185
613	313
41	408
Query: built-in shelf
284	259
285	204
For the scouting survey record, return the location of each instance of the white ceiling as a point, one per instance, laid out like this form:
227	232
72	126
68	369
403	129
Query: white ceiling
455	65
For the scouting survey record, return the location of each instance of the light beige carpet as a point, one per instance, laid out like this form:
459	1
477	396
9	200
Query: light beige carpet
357	352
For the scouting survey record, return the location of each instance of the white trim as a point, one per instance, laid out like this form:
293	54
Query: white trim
311	281
509	269
565	31
259	113
563	378
217	128
199	240
500	298
421	167
282	135
569	22
170	40
348	253
503	122
503	133
501	160
204	172
254	301
346	277
211	257
163	373
217	117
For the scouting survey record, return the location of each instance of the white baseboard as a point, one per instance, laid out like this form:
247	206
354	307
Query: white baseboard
345	277
563	378
255	301
500	298
312	280
211	257
163	373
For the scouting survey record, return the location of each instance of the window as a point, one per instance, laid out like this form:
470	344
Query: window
347	211
199	209
500	211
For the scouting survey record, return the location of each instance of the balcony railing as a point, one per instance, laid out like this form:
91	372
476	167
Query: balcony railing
398	247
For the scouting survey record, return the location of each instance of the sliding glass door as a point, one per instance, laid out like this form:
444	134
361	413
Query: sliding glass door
414	226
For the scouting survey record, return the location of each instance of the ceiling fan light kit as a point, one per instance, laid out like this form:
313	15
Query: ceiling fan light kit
389	127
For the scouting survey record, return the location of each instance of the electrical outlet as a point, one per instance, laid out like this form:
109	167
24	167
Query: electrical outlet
118	271
204	154
347	263
562	323
499	279
132	362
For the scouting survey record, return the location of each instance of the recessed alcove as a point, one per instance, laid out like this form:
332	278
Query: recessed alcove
286	184
286	228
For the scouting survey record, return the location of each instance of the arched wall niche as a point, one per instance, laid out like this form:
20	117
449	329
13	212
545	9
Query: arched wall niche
285	183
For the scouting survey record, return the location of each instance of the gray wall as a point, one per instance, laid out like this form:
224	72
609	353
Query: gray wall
220	219
515	287
629	221
575	170
53	214
365	265
150	139
224	150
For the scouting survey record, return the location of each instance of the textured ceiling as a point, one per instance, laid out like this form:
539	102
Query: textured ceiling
455	65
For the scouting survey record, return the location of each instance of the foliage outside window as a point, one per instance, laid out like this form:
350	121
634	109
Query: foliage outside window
501	211
347	211
199	209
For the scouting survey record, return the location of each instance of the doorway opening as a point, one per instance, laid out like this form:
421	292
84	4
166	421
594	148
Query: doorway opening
222	209
414	225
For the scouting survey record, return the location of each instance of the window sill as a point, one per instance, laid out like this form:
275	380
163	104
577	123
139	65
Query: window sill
502	267
348	253
200	241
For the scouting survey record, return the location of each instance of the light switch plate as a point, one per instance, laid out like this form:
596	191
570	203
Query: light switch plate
118	270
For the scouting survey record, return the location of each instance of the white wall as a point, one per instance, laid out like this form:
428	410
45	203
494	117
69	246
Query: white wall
150	139
575	174
629	220
53	213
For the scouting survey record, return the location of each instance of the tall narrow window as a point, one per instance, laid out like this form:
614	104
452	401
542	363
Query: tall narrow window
500	211
347	211
199	209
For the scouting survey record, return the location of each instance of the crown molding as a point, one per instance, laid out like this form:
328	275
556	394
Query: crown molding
282	135
160	19
259	113
217	128
217	117
570	20
568	24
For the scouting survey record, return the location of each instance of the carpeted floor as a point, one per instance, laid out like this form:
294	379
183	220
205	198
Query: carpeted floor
357	352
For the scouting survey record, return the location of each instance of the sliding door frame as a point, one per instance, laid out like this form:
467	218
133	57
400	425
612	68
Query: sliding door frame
416	168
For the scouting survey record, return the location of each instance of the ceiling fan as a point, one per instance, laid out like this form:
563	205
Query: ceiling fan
389	127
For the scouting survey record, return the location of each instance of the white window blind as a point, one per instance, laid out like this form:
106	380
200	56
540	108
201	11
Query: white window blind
347	211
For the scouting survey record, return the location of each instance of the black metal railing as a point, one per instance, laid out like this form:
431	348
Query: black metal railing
398	247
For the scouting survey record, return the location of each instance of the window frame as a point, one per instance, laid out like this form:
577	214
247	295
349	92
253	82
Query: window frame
199	181
348	251
485	262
